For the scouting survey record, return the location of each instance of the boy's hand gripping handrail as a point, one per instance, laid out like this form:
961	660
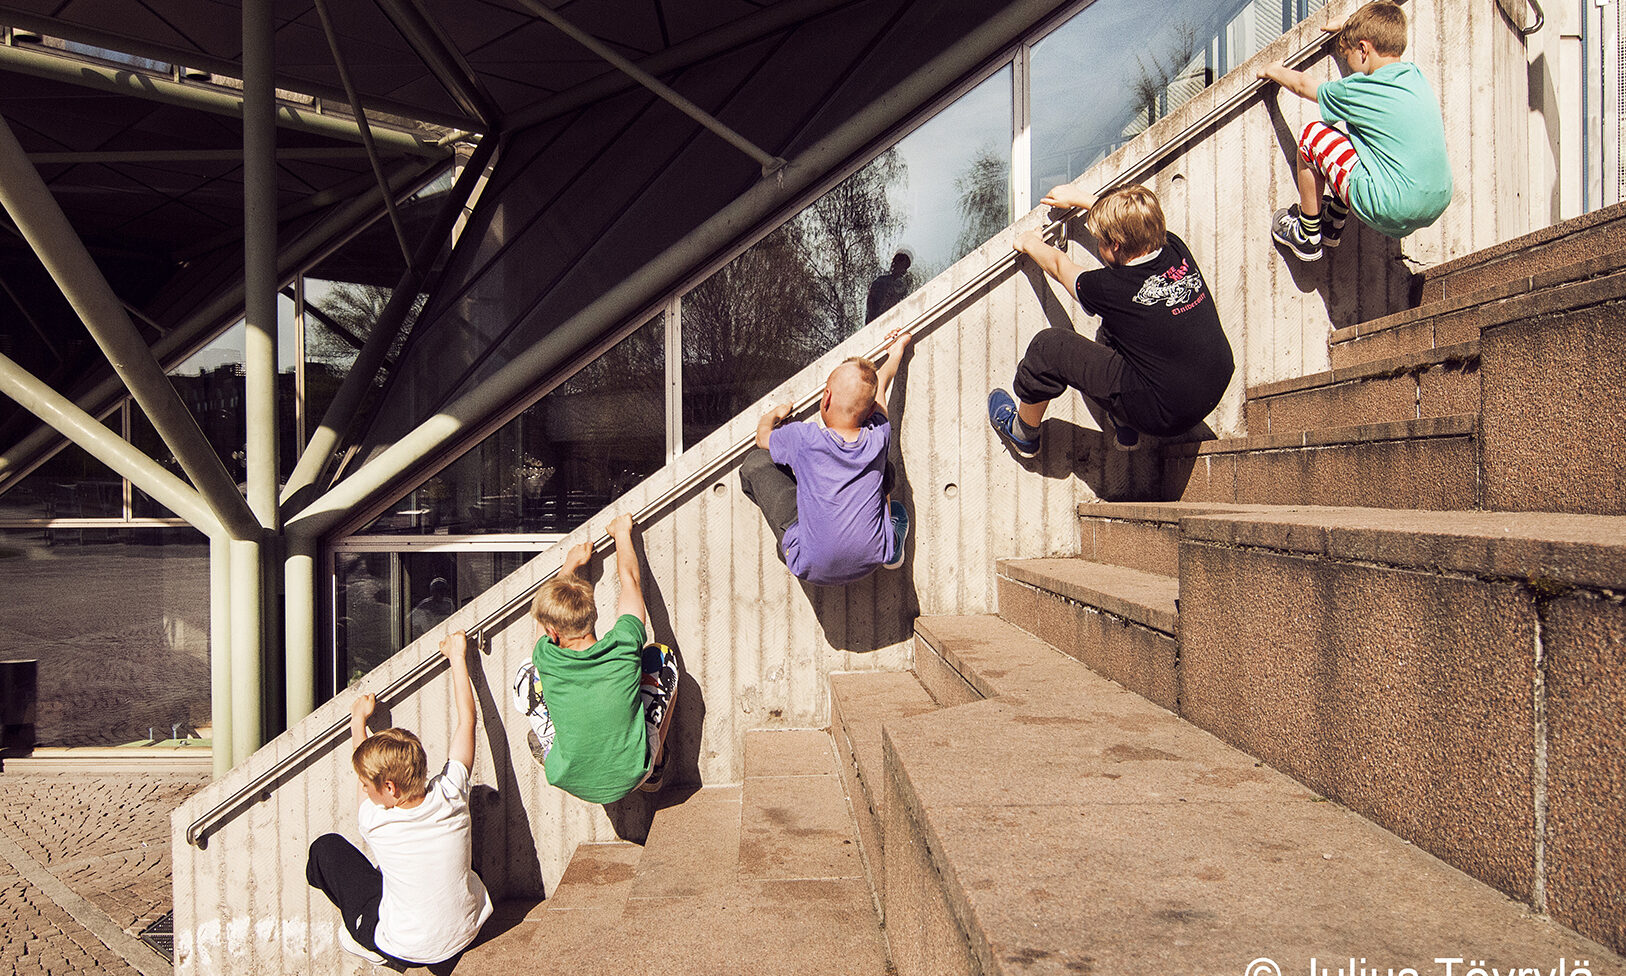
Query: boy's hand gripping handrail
1055	229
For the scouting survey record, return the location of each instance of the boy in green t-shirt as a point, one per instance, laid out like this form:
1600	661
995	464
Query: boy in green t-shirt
1390	166
590	730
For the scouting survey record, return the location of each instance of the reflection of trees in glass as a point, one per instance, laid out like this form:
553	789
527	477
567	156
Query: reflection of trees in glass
791	297
1152	87
984	196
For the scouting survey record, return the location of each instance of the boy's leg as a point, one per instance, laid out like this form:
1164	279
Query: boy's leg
351	883
528	701
1058	359
774	491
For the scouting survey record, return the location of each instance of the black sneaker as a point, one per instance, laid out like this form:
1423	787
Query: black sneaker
1002	416
1286	230
1333	216
900	533
1125	438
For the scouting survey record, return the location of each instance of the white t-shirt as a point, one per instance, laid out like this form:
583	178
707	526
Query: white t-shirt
434	903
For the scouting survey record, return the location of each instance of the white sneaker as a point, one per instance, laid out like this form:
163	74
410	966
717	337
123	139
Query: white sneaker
348	943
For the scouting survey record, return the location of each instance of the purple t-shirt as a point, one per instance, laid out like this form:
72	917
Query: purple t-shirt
842	530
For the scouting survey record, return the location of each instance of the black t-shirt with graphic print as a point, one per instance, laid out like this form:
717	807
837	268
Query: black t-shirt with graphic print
1161	318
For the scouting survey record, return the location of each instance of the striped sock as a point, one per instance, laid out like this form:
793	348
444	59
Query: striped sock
1310	224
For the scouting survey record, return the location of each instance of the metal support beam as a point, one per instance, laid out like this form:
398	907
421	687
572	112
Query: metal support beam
313	461
769	162
775	18
247	624
184	337
220	654
299	629
364	128
191	57
442	58
106	446
508	388
59	249
308	153
260	260
123	81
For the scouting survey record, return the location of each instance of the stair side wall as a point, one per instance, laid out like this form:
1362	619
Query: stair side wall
1475	715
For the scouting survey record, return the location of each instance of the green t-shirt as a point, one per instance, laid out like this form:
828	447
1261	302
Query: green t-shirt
1403	179
600	749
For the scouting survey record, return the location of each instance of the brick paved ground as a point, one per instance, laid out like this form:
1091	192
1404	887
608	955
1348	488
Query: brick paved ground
41	940
106	837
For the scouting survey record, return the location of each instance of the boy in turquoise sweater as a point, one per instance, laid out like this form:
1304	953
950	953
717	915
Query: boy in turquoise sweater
1388	165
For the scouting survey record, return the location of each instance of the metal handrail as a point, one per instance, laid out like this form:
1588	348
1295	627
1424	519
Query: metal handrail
928	317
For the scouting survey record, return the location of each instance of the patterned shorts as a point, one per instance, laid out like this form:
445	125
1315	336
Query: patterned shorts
1331	153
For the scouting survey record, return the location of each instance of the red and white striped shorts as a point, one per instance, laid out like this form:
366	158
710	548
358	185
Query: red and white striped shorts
1331	152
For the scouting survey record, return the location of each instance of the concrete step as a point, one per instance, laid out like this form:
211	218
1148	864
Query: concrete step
1549	249
1458	318
1429	463
1142	535
1120	622
765	876
861	704
1067	825
1440	382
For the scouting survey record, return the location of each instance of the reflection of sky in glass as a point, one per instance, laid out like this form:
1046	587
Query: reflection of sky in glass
1085	72
941	151
227	348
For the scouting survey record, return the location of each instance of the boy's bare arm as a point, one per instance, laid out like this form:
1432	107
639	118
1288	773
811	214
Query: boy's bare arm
1296	82
360	711
1050	260
1070	196
578	556
897	343
773	418
455	646
631	598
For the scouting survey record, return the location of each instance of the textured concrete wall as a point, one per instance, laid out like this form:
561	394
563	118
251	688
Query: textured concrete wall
1584	637
1554	392
1456	677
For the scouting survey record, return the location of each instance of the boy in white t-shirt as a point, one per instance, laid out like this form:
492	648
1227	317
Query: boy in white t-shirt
423	903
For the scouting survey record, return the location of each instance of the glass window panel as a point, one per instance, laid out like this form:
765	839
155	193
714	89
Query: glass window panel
367	612
119	626
387	599
1091	92
211	385
940	192
560	461
71	484
146	440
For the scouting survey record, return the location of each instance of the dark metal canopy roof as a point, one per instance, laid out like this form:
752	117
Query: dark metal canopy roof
145	157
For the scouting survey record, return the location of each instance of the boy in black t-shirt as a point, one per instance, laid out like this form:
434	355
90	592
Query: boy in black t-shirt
1161	362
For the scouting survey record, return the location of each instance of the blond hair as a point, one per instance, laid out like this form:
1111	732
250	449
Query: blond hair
565	605
395	755
1129	219
1380	23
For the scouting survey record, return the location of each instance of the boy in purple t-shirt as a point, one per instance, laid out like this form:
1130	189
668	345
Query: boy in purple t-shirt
826	490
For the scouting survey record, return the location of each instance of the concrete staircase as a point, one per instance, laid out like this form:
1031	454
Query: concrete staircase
1511	358
1129	768
763	877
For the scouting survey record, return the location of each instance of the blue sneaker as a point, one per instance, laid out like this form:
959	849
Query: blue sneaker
900	533
1002	416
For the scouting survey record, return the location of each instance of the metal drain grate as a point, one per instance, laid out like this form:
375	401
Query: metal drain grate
161	935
